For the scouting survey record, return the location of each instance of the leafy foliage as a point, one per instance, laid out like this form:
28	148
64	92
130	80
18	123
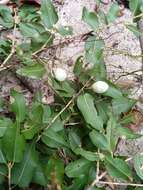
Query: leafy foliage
61	145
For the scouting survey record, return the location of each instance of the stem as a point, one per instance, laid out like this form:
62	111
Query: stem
9	175
13	42
120	184
68	104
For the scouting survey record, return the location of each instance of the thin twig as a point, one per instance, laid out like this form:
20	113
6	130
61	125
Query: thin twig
13	42
68	104
120	184
43	47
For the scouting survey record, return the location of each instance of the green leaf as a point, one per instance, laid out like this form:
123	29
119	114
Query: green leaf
23	172
90	18
2	156
3	173
48	14
30	130
6	18
57	125
78	183
78	67
94	50
91	156
118	168
35	71
111	134
134	29
121	105
138	165
40	175
103	108
13	143
65	30
46	113
113	12
18	106
36	113
4	123
55	170
127	119
77	168
85	104
99	140
28	13
74	140
126	132
53	139
135	6
29	30
64	89
113	92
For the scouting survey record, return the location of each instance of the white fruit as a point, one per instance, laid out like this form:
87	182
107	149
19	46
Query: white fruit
4	2
100	87
60	74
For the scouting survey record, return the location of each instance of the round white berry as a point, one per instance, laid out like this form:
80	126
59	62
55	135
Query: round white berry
4	2
60	74
100	87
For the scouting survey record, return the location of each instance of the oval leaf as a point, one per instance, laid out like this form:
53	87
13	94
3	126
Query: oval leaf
48	14
85	104
77	168
118	168
138	165
35	71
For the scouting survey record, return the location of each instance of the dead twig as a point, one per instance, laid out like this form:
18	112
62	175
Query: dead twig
13	42
120	184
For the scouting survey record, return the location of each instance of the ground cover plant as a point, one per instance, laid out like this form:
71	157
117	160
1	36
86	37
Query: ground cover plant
69	144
